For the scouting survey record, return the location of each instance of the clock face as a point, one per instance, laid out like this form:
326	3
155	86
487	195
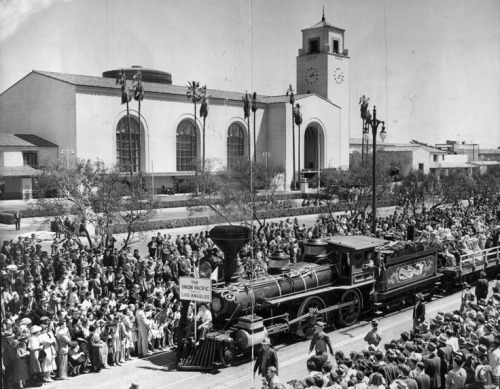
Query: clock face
311	76
338	76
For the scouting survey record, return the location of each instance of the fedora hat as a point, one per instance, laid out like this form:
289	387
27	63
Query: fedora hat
319	324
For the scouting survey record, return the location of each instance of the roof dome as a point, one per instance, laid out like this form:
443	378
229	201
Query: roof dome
148	75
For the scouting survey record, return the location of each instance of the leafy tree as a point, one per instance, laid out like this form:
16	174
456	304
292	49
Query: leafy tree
417	190
488	183
456	186
241	194
92	194
352	188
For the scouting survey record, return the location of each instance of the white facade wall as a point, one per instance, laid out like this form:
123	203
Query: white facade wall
42	106
11	158
98	116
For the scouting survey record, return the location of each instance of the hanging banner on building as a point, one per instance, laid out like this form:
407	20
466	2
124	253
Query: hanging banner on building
195	289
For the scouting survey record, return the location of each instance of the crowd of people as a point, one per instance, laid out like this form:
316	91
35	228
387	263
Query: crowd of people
453	350
72	310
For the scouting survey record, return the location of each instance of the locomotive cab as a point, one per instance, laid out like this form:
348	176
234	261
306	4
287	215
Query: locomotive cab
355	258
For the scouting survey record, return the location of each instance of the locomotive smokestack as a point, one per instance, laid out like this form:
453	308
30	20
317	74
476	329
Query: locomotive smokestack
230	239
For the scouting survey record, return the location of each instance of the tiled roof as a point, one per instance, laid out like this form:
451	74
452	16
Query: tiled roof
23	140
433	150
411	147
18	171
400	148
36	140
11	140
323	23
484	163
282	99
102	82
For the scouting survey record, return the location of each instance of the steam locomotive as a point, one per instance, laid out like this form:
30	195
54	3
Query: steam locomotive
336	281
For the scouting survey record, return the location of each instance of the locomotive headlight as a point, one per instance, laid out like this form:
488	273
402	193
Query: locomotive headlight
216	304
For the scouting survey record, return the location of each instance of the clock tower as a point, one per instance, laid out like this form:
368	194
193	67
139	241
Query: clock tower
323	67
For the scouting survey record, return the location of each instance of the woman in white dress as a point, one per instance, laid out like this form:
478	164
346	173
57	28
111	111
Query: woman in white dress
34	348
49	344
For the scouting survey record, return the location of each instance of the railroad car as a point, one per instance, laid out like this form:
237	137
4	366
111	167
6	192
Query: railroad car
336	281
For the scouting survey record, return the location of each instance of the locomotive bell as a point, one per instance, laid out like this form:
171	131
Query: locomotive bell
230	239
279	262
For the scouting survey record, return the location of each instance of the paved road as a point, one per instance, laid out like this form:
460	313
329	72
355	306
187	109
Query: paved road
159	372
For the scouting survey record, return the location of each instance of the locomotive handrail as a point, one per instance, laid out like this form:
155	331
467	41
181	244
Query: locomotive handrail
480	256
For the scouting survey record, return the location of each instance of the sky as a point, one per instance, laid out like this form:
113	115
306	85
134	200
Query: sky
431	67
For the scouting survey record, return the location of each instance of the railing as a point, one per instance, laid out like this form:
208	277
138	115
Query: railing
480	257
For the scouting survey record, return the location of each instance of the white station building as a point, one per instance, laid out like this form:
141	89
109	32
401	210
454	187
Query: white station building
83	114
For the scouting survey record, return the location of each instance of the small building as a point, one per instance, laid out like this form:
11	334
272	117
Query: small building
21	157
471	150
489	154
416	157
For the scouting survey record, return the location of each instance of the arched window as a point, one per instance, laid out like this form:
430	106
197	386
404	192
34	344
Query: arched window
128	145
235	144
186	146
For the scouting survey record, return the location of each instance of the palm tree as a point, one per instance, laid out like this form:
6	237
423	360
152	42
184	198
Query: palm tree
193	94
290	93
126	97
138	95
254	110
204	114
298	121
246	113
363	102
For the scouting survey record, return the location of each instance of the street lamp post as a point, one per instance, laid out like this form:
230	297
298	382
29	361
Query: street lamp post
373	123
67	152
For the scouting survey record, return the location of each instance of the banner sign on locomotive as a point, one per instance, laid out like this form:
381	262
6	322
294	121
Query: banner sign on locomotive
408	272
195	289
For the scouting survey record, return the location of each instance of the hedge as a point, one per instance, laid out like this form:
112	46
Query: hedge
153	225
6	218
203	220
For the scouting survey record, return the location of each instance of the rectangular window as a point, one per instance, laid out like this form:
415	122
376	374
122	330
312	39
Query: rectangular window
30	158
421	166
314	46
336	46
435	157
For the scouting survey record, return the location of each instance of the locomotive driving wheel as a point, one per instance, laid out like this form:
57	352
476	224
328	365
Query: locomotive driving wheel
349	315
310	306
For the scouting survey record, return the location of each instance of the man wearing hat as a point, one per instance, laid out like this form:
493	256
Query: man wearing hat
266	358
445	353
482	286
494	362
418	310
374	336
320	342
433	366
